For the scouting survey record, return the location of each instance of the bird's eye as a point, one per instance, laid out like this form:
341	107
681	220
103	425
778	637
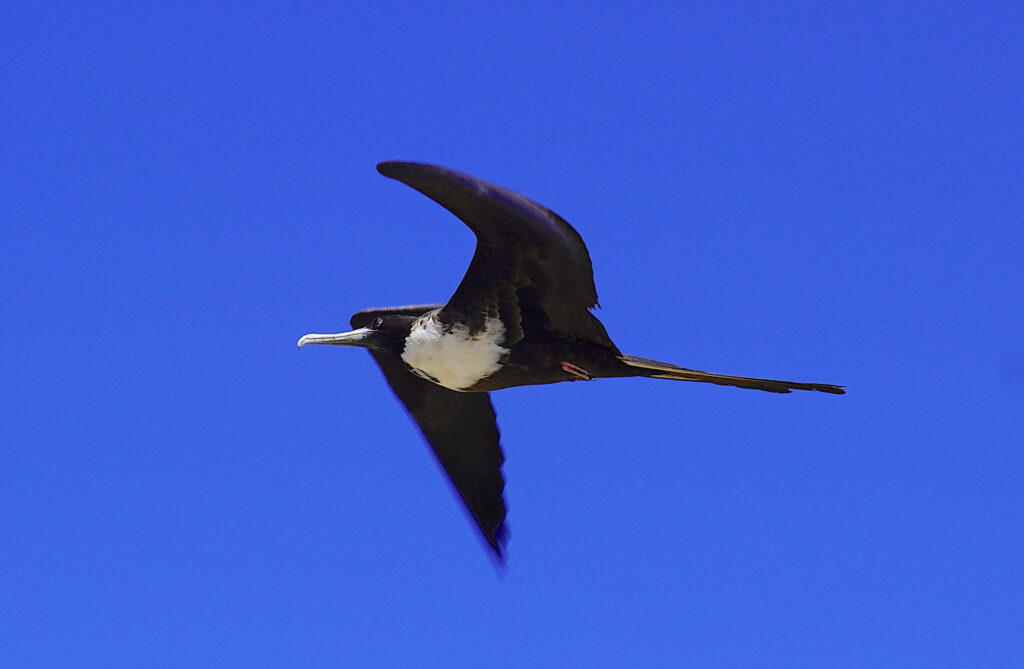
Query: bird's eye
377	322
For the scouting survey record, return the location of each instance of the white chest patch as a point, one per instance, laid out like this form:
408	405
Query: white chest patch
454	359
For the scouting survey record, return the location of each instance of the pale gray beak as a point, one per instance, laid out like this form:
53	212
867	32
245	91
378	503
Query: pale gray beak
358	337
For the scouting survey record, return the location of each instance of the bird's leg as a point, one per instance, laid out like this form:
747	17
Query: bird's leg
578	372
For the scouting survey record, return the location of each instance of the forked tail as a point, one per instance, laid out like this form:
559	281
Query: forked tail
663	370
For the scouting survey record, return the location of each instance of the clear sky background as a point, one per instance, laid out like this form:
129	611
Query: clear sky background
813	191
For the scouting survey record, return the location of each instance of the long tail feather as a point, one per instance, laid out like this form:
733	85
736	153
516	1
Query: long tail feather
663	370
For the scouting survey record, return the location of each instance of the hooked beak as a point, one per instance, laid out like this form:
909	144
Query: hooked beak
360	337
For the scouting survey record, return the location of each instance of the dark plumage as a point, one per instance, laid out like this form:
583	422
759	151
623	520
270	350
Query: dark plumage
520	316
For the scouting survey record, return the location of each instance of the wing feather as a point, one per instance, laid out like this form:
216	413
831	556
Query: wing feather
530	268
461	430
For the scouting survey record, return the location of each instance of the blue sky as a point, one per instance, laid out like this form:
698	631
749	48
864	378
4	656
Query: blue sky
815	191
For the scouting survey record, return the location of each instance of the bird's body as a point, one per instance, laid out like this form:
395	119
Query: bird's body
458	359
521	316
452	355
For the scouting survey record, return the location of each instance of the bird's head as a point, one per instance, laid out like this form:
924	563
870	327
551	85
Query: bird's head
385	334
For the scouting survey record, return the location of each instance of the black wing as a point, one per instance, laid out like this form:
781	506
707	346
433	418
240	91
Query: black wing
530	268
461	430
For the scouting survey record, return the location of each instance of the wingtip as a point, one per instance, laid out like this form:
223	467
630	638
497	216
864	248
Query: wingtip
397	168
385	167
497	544
412	172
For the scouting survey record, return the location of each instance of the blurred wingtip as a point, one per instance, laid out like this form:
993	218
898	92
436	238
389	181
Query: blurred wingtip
497	542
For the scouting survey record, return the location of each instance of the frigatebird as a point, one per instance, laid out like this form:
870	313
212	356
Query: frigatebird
520	316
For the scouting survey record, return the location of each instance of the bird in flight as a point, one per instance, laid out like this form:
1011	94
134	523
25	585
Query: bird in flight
520	316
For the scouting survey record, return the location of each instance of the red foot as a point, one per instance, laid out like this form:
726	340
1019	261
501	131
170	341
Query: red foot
578	372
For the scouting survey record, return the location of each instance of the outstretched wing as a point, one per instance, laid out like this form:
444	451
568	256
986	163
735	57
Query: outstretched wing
461	430
531	269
